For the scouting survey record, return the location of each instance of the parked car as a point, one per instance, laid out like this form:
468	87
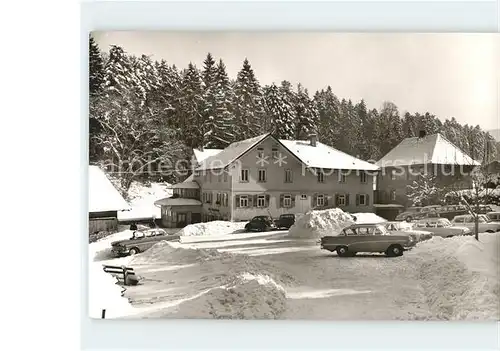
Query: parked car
260	224
441	227
141	240
409	228
367	238
285	221
494	216
450	211
408	214
485	223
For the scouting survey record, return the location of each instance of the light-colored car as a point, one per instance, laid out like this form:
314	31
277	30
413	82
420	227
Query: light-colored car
441	227
409	228
141	240
368	238
494	216
485	223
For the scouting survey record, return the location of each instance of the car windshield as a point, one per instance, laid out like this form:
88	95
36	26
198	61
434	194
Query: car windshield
484	219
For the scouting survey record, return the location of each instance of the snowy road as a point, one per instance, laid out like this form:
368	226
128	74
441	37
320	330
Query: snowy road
324	286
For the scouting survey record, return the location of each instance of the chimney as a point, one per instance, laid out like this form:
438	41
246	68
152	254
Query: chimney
422	134
314	139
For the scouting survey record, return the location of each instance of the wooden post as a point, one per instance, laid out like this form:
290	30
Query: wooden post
103	314
125	275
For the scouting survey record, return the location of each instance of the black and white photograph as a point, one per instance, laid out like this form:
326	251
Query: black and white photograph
294	176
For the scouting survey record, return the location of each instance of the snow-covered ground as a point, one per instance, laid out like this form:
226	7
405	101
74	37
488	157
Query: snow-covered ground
215	228
142	199
276	275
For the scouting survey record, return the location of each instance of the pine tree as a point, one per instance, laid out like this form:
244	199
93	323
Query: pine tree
248	104
388	128
222	134
280	112
193	124
329	121
118	73
363	137
96	68
306	114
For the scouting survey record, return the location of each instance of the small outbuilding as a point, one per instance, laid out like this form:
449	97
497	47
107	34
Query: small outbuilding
104	202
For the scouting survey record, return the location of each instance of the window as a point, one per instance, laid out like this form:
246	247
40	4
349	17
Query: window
225	199
210	176
260	152
341	200
393	195
288	176
393	174
262	175
275	152
287	201
459	220
341	177
320	200
218	200
321	177
261	201
244	175
225	176
219	178
350	232
362	177
243	201
362	200
303	196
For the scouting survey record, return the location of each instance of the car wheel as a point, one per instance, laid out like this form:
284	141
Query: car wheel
133	251
342	251
394	251
247	228
489	231
408	218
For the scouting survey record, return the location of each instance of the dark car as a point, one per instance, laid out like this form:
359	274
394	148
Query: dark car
285	221
260	224
140	241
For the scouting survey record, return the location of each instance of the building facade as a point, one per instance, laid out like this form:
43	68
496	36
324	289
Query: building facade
267	176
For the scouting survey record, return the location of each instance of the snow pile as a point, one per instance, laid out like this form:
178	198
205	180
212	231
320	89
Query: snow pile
249	297
142	198
316	224
104	293
460	276
365	218
212	228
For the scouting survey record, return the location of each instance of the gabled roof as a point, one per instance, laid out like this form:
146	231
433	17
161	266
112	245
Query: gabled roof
231	153
319	156
325	157
202	155
431	149
103	196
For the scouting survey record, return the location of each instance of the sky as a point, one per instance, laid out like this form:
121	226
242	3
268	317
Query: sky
448	75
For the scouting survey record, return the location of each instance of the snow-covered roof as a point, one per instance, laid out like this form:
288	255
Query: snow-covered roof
179	201
184	185
431	149
319	156
202	155
103	196
230	153
324	156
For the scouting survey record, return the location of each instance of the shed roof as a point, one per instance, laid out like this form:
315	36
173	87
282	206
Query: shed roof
179	201
103	196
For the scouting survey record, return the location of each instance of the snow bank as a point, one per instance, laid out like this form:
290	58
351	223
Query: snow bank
316	224
460	276
250	297
228	286
364	218
104	293
212	228
142	198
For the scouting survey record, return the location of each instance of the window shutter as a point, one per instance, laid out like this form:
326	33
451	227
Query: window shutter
293	200
357	199
347	199
325	196
281	200
336	200
255	202
314	200
367	197
237	198
267	200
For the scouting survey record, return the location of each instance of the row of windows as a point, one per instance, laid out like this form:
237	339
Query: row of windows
221	199
288	176
288	200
